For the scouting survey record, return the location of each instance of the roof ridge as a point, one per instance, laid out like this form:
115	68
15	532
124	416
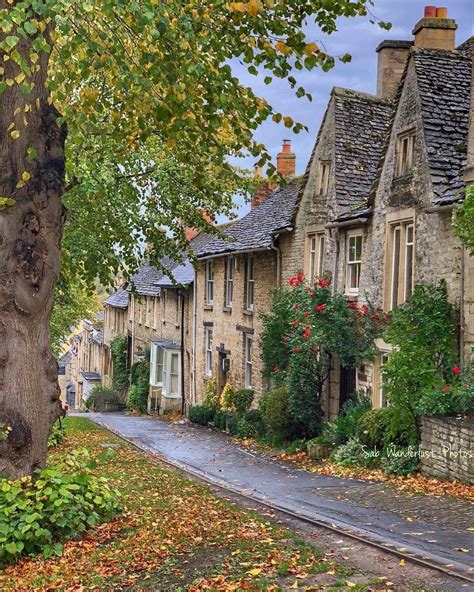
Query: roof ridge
340	91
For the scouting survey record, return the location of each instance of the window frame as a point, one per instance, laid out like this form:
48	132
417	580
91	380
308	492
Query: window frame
249	282
209	282
230	266
405	158
208	343
316	254
356	263
324	177
248	362
156	352
168	374
401	250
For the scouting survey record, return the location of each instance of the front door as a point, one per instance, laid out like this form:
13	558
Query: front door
347	385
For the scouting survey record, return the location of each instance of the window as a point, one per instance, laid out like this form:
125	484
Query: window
405	153
165	370
354	263
248	361
209	282
402	259
229	281
155	313
171	374
316	255
208	347
156	365
249	283
139	302
323	177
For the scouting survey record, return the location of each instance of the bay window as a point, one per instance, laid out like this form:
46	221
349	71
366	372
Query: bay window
165	368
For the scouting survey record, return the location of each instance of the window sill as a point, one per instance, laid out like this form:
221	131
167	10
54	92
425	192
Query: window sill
208	307
248	312
227	309
170	396
351	297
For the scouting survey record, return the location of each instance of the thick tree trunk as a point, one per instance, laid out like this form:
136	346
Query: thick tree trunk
30	234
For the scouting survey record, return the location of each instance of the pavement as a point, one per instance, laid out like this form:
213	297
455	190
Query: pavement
433	528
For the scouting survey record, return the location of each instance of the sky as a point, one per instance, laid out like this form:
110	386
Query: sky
358	37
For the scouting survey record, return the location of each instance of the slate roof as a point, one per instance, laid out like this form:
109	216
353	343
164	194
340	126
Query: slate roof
182	275
362	122
444	81
146	279
98	336
255	230
118	299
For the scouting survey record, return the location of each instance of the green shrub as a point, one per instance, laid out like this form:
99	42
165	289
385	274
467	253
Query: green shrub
211	400
119	352
400	461
242	400
101	398
137	399
344	427
56	437
200	415
219	419
354	453
278	421
250	424
38	514
451	399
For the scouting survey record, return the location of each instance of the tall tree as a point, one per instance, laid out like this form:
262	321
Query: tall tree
153	111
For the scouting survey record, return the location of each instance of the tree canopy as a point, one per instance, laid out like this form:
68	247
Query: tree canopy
153	107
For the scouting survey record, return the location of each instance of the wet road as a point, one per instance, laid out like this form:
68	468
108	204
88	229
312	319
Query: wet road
211	455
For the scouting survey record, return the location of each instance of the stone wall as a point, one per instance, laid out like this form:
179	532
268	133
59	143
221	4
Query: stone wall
447	446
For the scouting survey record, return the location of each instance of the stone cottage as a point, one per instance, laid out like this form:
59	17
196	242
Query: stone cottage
115	323
234	284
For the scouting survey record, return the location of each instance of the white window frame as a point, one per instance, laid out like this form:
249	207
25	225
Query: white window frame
209	280
208	341
248	364
157	355
324	175
402	252
405	153
168	375
249	282
229	281
353	262
317	245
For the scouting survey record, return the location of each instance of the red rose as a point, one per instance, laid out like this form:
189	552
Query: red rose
276	369
352	305
297	350
295	282
306	313
447	389
300	276
456	370
296	323
320	308
313	295
296	306
323	283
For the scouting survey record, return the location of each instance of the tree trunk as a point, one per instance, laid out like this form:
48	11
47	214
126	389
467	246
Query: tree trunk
30	234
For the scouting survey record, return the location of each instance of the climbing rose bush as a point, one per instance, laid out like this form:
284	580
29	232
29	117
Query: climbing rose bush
453	398
308	326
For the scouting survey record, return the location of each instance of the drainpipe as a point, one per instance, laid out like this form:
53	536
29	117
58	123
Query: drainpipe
183	351
278	252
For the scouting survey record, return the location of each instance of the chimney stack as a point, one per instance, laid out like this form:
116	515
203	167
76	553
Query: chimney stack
191	233
393	57
286	160
435	30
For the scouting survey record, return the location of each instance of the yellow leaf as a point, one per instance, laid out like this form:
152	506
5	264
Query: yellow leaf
294	586
350	584
402	562
254	7
19	79
255	571
25	176
409	519
15	134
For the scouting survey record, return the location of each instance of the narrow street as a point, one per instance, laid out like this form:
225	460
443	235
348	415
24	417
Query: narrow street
427	527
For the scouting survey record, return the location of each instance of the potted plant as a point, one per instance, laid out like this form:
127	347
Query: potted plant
319	448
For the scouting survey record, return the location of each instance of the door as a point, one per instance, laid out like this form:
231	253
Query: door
347	385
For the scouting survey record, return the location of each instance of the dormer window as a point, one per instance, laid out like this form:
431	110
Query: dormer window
405	153
323	177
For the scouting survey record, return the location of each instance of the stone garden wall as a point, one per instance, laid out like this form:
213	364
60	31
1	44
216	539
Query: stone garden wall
447	448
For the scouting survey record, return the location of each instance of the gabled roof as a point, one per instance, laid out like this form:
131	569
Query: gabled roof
145	281
118	299
255	230
444	82
361	125
183	275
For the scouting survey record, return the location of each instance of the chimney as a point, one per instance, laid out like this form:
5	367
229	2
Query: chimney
435	30
393	57
286	160
263	190
191	233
